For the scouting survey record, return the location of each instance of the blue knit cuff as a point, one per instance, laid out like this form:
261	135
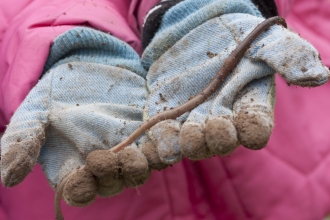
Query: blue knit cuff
91	46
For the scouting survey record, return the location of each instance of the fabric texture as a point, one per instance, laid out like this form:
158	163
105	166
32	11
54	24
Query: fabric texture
154	17
54	118
28	35
182	68
178	21
290	173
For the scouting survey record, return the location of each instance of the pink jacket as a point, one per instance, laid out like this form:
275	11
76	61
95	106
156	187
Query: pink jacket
289	179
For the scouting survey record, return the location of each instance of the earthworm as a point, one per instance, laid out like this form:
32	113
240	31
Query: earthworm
228	66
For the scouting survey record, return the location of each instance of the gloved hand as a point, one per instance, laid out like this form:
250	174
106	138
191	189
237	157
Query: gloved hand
192	42
90	98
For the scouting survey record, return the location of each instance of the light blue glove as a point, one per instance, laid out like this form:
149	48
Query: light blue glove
194	39
91	97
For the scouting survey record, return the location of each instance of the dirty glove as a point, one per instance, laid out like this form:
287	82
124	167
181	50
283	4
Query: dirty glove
91	97
193	41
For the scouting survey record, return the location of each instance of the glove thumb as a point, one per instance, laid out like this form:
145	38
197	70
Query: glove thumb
24	136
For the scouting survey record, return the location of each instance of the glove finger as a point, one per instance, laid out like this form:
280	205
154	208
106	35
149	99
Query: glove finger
192	135
253	109
133	166
221	134
293	58
149	149
286	52
104	164
107	186
25	135
192	141
81	188
165	135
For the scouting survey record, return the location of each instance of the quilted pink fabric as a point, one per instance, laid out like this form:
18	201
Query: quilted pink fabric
289	179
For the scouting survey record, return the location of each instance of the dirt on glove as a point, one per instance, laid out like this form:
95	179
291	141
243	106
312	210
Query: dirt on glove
221	135
103	163
254	129
107	186
81	188
133	166
151	152
19	161
166	135
193	143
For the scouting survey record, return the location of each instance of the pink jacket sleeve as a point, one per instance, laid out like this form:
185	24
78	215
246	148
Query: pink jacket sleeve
27	31
287	180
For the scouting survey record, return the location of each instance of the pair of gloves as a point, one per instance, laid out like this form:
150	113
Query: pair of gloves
95	91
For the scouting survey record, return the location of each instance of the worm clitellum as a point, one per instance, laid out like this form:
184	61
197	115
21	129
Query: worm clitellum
228	66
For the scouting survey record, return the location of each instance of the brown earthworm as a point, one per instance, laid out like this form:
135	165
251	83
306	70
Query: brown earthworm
228	66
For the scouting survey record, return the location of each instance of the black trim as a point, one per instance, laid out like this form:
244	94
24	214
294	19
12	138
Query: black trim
153	21
266	7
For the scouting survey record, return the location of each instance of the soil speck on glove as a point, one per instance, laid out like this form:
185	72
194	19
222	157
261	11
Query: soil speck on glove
210	54
121	131
162	98
304	69
70	66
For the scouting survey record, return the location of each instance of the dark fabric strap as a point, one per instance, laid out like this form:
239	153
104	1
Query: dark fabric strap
266	7
154	17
